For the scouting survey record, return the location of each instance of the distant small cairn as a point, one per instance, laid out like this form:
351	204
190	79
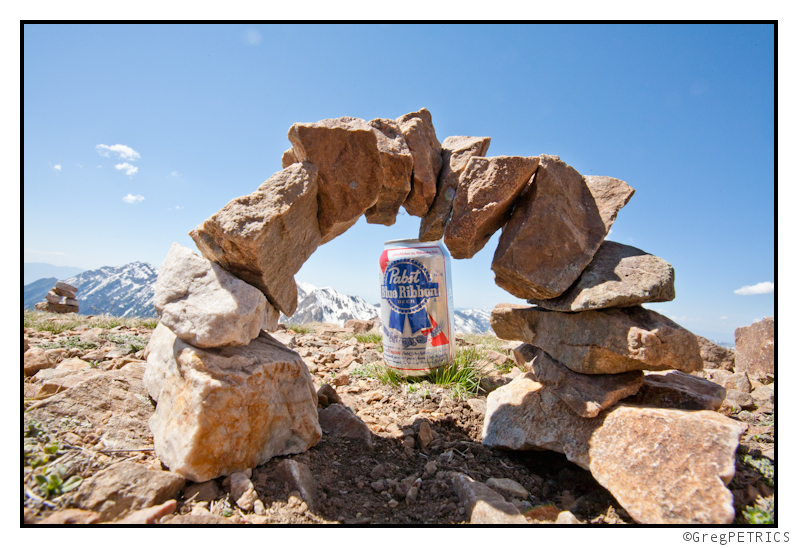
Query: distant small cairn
62	299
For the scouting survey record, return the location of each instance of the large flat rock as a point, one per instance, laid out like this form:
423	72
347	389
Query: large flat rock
115	402
612	340
586	395
456	150
485	196
347	155
264	238
662	465
556	229
755	348
221	410
205	305
426	150
619	275
125	487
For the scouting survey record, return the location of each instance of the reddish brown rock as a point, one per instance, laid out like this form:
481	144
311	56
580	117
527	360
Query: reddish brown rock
288	158
65	290
360	326
662	465
455	153
221	410
34	360
116	402
338	421
53	307
612	340
426	150
755	348
123	488
71	516
482	504
299	478
715	356
397	169
586	395
555	229
264	238
667	466
677	390
619	275
349	166
486	193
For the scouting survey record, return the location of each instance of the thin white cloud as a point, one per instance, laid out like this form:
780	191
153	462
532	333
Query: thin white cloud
28	250
757	289
179	207
724	317
252	37
57	166
122	151
175	174
130	199
80	166
130	170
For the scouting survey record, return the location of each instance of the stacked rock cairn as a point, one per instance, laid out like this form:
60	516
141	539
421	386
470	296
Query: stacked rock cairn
230	396
62	298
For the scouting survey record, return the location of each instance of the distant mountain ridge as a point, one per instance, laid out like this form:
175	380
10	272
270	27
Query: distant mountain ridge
34	292
36	271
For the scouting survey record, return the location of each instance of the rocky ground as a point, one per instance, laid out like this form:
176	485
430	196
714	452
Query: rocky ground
89	456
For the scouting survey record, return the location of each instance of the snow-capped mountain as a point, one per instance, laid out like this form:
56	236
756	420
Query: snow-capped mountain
472	321
326	305
118	291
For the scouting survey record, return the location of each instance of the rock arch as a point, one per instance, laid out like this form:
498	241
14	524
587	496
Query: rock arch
231	397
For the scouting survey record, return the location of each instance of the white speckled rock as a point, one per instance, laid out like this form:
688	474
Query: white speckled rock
222	410
207	306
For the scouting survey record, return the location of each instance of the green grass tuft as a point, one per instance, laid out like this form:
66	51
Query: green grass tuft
366	338
299	328
761	513
460	377
58	323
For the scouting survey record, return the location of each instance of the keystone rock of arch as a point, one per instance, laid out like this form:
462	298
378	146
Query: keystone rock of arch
426	150
364	167
455	153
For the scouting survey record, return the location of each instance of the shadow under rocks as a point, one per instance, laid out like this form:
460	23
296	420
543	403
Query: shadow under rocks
356	485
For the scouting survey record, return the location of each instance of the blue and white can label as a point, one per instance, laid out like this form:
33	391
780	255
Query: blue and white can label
416	306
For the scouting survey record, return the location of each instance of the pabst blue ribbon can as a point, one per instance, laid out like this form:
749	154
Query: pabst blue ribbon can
416	306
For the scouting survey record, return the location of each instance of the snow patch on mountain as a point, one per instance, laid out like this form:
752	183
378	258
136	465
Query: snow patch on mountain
472	321
125	291
327	305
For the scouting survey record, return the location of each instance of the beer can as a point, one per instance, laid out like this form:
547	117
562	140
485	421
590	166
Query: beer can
416	306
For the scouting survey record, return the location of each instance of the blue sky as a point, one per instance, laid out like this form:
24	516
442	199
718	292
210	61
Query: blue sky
683	113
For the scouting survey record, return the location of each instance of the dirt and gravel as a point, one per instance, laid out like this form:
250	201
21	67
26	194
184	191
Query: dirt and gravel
353	483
